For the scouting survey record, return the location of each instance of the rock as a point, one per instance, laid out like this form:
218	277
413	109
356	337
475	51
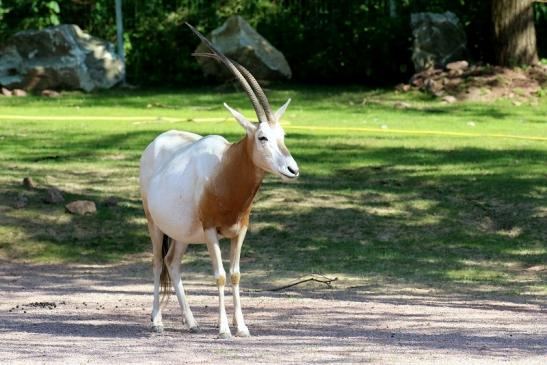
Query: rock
60	57
28	183
403	88
20	202
449	99
401	105
6	92
453	83
50	93
458	65
455	73
81	207
111	201
54	196
432	86
240	42
417	80
19	92
438	40
471	94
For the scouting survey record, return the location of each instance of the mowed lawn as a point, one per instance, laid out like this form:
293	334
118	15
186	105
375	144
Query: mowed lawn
395	190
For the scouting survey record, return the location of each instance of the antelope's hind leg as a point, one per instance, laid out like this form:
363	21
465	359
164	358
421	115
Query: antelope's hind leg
173	258
157	261
235	252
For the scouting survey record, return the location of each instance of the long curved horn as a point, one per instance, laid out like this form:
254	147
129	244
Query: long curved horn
261	96
258	92
259	109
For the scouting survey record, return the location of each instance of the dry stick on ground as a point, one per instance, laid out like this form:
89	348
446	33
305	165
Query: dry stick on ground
317	278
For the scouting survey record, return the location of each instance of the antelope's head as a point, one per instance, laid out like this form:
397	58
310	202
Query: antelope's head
267	136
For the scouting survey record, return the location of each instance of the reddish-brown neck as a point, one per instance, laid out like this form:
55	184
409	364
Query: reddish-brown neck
228	197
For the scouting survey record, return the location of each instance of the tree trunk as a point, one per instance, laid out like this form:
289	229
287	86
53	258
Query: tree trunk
514	32
392	8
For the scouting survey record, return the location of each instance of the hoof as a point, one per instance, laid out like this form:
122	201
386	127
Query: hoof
194	329
158	328
224	335
243	333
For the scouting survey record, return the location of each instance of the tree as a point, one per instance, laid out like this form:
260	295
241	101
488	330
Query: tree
514	32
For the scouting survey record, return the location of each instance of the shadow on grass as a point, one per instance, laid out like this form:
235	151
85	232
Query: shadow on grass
419	216
50	233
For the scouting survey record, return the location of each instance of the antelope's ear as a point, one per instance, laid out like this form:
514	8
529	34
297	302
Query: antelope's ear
279	113
244	122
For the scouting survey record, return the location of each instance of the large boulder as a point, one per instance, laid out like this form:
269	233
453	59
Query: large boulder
240	42
60	57
438	40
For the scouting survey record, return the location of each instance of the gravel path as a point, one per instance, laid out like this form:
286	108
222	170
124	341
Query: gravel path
100	314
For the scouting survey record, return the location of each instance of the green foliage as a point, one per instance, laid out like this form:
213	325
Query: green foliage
343	41
18	15
3	12
317	39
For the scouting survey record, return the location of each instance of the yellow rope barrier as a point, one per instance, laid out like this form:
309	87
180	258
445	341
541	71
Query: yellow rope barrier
286	125
418	132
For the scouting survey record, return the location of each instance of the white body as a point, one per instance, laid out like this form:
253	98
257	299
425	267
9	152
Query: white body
175	168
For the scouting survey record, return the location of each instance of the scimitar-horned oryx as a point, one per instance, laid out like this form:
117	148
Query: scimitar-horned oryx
200	189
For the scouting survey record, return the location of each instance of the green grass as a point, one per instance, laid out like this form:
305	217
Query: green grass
374	206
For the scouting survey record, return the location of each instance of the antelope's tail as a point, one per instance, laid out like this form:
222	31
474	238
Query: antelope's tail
165	279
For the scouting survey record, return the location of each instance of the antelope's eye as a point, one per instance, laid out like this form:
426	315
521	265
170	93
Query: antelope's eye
263	139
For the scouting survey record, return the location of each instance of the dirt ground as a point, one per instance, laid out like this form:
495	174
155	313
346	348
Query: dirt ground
482	83
100	314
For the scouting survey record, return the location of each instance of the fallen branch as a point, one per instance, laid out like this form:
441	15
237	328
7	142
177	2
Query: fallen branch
317	278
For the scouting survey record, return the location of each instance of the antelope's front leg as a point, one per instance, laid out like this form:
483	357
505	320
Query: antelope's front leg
220	277
235	252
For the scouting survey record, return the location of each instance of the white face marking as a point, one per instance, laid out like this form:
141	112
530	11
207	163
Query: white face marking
271	154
